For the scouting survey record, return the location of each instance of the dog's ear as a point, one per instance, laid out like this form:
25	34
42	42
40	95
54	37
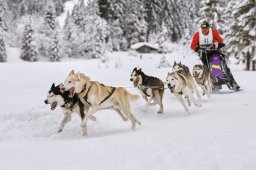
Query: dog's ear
72	72
53	86
62	88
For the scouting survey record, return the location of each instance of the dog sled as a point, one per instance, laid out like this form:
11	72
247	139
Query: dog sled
217	65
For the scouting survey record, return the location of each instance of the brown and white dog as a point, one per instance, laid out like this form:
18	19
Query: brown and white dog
151	88
100	96
180	86
202	76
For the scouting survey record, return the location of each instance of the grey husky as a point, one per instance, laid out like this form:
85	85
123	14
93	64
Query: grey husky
202	76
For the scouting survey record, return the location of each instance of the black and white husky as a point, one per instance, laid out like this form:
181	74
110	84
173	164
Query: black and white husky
58	97
151	88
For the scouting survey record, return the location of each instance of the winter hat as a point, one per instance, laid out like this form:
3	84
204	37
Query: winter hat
205	24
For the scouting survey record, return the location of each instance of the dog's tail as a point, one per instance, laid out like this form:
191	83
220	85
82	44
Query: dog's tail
133	97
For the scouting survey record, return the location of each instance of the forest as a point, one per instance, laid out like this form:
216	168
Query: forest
94	27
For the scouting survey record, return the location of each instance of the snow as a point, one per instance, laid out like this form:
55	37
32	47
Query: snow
68	7
140	44
221	135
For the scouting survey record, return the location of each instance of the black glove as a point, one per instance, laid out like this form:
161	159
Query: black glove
220	45
197	49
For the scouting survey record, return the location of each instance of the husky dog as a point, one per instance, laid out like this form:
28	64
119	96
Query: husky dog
99	97
202	76
151	88
179	85
58	97
182	69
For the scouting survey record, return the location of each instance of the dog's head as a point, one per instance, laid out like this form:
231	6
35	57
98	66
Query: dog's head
172	81
55	96
177	66
75	82
136	76
198	71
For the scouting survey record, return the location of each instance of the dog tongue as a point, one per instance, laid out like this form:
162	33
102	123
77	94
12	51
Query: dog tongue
135	82
53	105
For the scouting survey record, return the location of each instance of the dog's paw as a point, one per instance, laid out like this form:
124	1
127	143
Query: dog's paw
160	112
60	130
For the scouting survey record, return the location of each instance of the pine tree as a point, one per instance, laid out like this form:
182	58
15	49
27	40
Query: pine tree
55	49
50	15
212	11
28	49
3	16
117	24
95	33
241	37
153	11
3	56
72	38
136	25
173	19
163	63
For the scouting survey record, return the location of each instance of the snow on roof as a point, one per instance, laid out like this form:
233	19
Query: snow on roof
140	44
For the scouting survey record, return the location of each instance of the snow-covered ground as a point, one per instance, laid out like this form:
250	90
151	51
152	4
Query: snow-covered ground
221	135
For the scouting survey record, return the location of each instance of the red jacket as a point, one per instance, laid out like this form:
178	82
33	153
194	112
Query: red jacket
195	41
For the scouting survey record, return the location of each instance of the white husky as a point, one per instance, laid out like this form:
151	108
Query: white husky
179	85
100	96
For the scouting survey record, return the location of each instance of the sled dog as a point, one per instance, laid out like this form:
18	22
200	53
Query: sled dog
180	86
182	69
100	96
58	97
151	88
202	76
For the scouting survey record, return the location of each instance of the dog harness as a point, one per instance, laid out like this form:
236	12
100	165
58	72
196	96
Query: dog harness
108	96
86	95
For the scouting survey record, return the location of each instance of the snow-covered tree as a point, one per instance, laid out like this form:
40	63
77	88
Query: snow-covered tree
3	16
55	52
28	48
3	55
117	24
96	32
47	29
173	19
212	11
136	25
50	16
153	11
163	63
241	36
